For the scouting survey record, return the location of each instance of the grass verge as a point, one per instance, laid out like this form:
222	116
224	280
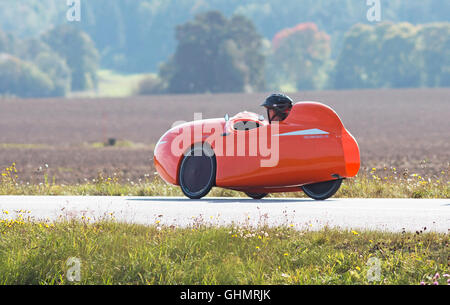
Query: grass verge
365	185
111	84
33	252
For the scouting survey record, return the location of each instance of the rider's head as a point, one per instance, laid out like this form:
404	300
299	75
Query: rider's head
278	107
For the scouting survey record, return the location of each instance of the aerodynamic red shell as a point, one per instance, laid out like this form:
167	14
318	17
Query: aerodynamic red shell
313	146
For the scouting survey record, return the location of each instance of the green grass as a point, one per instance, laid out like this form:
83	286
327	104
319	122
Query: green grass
120	144
113	253
22	146
365	185
111	84
357	188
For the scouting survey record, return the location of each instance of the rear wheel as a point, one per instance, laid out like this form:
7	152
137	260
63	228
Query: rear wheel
198	172
256	195
322	190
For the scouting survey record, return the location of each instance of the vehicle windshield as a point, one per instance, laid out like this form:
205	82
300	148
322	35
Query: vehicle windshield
245	125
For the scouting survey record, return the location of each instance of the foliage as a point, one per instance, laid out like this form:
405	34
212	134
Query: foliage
43	57
151	85
434	40
58	71
215	54
136	36
394	56
399	61
29	49
39	55
299	57
113	84
23	79
369	184
79	52
7	43
64	56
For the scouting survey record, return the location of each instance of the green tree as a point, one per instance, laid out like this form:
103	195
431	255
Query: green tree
78	51
6	42
136	36
356	66
150	85
385	55
434	41
58	71
29	49
49	62
399	60
23	79
215	54
299	57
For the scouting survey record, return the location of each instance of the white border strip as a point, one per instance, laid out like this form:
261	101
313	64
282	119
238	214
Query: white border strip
307	132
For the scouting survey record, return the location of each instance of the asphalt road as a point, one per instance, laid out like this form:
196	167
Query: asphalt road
380	214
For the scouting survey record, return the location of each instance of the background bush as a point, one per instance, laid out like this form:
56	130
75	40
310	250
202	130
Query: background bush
23	78
79	52
151	85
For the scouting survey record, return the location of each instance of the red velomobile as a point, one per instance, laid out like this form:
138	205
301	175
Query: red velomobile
309	150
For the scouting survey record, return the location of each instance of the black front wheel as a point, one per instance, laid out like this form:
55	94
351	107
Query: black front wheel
256	195
322	190
198	172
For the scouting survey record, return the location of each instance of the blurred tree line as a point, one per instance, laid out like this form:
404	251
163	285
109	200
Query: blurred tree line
137	36
261	46
392	55
219	55
61	60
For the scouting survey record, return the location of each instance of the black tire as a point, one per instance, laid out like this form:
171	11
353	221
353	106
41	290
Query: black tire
256	195
322	190
197	172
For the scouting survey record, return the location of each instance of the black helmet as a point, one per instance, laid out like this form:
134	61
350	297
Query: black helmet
281	103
